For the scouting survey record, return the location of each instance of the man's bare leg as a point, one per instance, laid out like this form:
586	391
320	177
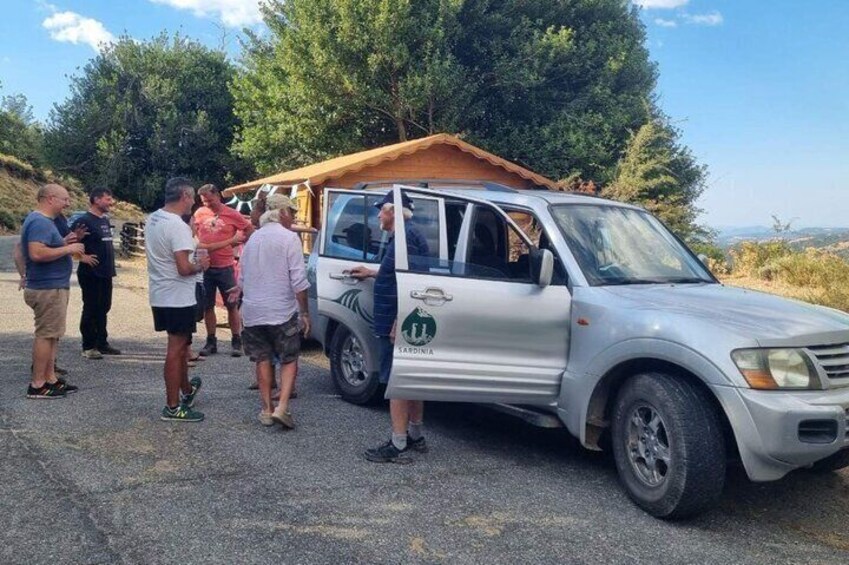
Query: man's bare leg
50	376
176	368
234	320
288	372
42	360
264	375
399	413
416	411
184	368
210	321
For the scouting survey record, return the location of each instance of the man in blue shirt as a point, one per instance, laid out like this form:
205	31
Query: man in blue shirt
48	262
406	415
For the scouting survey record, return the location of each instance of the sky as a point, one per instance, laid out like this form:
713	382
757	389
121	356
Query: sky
759	90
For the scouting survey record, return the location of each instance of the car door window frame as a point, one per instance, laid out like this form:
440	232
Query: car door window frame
402	261
559	265
442	250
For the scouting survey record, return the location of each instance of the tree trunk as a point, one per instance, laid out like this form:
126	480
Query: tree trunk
402	129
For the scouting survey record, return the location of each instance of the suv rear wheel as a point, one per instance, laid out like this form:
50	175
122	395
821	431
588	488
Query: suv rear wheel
353	379
668	446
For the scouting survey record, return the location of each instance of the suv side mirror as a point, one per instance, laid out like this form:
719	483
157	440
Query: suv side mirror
703	258
542	267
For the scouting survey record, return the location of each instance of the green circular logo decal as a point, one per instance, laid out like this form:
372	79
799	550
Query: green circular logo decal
419	328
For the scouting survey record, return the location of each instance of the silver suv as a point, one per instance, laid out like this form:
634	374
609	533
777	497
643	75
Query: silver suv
570	310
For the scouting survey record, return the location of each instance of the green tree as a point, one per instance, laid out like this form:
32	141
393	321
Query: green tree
141	112
657	172
20	135
553	84
336	76
560	83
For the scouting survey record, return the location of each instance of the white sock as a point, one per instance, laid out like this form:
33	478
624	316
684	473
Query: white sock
399	441
415	430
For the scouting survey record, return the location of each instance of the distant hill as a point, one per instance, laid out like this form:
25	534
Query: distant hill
19	183
835	240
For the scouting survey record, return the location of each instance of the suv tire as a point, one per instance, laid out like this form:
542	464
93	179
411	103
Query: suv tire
668	446
353	379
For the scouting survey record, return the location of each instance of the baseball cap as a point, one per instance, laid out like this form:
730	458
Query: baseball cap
278	201
389	199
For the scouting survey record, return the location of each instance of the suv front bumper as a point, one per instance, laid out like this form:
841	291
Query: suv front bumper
779	431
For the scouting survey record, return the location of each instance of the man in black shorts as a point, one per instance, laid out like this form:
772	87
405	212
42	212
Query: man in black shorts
169	243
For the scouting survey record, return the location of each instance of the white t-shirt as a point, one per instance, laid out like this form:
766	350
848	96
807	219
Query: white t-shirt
165	234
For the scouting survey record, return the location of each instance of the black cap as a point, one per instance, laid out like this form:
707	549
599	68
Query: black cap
390	199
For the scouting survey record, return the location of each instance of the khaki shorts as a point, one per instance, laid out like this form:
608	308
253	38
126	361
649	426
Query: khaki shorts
51	311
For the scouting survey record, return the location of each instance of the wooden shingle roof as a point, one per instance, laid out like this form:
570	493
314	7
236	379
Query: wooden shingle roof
321	173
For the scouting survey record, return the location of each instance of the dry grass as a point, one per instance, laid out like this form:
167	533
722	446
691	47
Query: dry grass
812	275
18	187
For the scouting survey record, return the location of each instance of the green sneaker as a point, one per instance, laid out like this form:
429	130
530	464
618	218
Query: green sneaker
181	413
189	399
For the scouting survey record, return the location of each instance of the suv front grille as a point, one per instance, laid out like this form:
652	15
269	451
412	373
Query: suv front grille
834	359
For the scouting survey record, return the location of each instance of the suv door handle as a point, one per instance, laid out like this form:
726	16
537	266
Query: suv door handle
431	296
344	277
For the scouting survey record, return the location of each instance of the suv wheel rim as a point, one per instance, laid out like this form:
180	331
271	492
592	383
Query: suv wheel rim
353	364
648	445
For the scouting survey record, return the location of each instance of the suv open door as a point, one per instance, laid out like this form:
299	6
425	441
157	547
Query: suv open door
485	326
351	236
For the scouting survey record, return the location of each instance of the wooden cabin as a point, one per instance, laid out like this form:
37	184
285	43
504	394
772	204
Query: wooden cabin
438	160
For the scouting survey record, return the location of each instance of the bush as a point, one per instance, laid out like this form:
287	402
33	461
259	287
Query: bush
716	260
9	221
812	275
750	257
813	267
16	166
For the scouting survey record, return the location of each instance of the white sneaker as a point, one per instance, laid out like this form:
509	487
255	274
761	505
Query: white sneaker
266	419
92	354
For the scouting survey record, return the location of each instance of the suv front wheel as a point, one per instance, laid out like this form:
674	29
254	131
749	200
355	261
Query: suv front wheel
668	445
354	380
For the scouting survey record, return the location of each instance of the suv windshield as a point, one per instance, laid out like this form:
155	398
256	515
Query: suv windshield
616	245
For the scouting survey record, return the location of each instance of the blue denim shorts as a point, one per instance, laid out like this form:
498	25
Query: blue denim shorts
385	348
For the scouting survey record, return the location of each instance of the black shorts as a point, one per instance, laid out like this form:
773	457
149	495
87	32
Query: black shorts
179	321
222	279
262	343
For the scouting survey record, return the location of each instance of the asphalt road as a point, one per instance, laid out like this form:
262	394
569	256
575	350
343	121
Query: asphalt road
97	478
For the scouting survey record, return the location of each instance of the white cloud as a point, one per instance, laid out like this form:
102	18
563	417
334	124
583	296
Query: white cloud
234	13
660	4
665	23
71	27
712	19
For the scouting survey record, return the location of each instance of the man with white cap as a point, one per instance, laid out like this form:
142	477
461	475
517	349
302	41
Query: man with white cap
274	285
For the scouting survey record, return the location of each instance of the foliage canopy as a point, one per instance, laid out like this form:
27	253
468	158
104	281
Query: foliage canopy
552	84
660	174
20	135
141	112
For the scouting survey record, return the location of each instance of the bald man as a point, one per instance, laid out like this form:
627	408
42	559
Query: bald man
47	256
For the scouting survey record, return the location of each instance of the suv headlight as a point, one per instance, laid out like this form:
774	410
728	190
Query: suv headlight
766	369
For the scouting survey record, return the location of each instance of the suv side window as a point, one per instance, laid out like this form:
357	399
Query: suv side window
532	228
354	230
495	250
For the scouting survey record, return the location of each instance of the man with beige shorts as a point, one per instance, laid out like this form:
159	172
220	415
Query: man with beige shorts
48	281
